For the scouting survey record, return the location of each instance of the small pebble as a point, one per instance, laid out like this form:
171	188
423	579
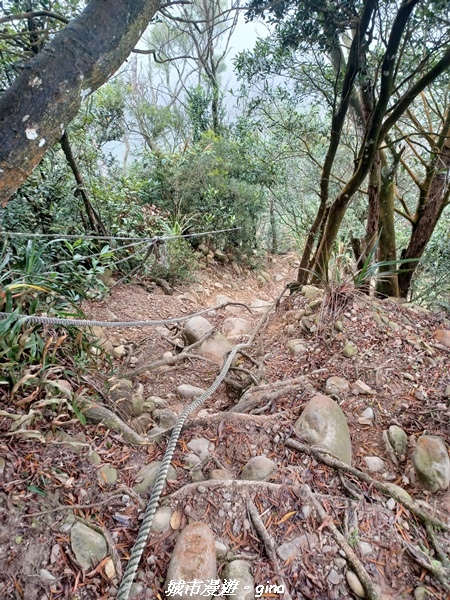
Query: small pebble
390	504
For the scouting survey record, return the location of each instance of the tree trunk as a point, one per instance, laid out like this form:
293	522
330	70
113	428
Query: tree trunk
351	71
46	96
304	272
387	285
363	248
94	219
438	197
273	227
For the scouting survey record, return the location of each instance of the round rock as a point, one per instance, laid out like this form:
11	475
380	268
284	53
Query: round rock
240	570
258	468
431	463
185	390
336	385
161	520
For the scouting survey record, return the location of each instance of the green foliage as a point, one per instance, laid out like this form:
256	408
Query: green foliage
210	186
199	111
431	283
176	262
27	288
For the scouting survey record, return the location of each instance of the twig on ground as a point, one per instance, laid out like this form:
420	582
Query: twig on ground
268	542
73	507
363	576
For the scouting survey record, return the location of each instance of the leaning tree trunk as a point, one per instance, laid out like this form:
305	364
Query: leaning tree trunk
438	197
94	219
46	96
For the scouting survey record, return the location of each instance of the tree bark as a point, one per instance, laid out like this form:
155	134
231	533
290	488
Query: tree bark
378	129
273	227
351	71
46	96
387	285
94	219
430	212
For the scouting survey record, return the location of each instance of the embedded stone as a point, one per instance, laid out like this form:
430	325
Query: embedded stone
235	326
432	463
336	385
193	559
355	585
322	423
374	463
349	350
119	351
311	291
185	390
146	477
107	475
293	548
398	440
199	446
215	348
339	326
261	306
240	570
296	347
88	546
359	387
196	328
258	468
161	520
220	256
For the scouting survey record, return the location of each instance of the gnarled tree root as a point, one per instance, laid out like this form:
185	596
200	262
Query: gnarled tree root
97	413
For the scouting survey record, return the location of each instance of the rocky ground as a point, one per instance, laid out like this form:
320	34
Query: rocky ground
250	496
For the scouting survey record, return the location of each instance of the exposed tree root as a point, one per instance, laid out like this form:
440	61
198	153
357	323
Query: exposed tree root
269	543
327	459
97	413
172	360
433	566
265	394
226	417
327	521
240	484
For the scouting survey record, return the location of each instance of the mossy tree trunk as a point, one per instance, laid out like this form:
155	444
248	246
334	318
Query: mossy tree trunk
387	285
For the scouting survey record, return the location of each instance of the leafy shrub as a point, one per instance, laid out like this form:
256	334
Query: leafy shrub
26	288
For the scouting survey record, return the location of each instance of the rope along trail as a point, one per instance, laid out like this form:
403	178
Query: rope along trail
89	323
144	531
